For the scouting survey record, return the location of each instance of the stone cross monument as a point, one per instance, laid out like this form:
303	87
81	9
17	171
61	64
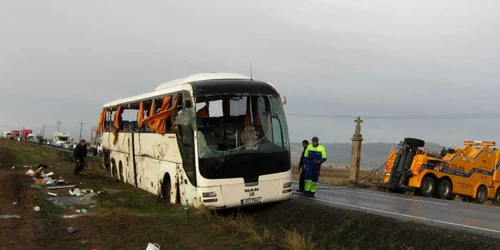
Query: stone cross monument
357	138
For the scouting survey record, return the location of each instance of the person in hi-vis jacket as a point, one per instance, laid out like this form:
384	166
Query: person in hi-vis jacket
315	155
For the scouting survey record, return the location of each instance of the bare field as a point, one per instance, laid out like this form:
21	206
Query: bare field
336	176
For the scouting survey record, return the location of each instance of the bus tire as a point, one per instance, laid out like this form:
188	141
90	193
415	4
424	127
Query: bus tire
481	195
444	189
496	199
427	186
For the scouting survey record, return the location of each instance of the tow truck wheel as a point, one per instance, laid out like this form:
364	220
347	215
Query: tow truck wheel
427	186
444	189
496	199
481	195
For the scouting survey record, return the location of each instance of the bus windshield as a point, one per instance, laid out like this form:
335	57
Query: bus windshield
63	138
241	136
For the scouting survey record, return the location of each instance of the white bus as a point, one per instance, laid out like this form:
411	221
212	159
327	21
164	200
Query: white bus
218	139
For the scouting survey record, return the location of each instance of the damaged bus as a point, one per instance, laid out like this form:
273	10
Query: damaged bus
218	140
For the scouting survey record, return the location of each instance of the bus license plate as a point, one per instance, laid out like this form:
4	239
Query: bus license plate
251	201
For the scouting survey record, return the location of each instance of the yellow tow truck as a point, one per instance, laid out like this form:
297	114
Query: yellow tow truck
470	172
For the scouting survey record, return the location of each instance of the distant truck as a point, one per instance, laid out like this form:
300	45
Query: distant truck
25	133
6	135
35	138
14	134
95	142
60	138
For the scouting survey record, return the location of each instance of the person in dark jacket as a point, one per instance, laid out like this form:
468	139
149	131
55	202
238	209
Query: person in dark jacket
305	143
80	153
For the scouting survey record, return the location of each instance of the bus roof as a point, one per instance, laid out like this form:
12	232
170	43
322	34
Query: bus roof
200	77
166	88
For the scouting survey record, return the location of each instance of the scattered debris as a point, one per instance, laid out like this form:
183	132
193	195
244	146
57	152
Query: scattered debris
71	230
88	196
60	187
37	208
53	194
75	192
30	173
10	216
70	216
153	246
14	203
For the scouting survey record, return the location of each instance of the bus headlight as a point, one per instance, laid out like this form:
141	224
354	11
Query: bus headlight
209	194
287	185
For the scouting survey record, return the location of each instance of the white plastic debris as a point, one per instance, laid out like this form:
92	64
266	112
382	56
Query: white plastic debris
153	246
10	216
37	208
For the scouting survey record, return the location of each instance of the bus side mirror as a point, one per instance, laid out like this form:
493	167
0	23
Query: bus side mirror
283	100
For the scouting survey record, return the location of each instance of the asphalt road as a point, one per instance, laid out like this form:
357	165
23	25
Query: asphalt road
457	215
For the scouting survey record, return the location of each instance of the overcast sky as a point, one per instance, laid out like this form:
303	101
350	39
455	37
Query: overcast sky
61	60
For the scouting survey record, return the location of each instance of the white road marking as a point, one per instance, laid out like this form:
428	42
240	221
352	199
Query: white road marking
405	215
391	197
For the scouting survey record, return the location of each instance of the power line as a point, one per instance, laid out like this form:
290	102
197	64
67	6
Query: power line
408	117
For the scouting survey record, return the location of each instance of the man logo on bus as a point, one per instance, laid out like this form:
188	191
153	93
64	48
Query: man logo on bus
251	194
248	190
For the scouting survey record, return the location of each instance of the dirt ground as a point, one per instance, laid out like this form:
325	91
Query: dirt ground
128	218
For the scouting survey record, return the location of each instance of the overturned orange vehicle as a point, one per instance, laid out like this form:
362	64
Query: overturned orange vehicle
471	172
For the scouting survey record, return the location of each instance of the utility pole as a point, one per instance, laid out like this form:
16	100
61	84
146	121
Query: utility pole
81	125
357	138
58	124
43	132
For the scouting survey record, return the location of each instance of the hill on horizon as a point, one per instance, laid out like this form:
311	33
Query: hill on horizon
373	155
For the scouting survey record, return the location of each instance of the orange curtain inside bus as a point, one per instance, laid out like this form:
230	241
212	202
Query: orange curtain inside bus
255	110
248	118
140	115
116	123
158	121
203	112
101	125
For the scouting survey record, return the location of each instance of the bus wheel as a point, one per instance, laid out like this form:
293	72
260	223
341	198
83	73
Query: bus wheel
496	199
444	189
427	186
481	195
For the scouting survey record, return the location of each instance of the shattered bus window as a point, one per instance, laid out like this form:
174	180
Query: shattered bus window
233	130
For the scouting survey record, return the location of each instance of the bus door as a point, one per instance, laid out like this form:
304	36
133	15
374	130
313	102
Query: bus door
185	121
